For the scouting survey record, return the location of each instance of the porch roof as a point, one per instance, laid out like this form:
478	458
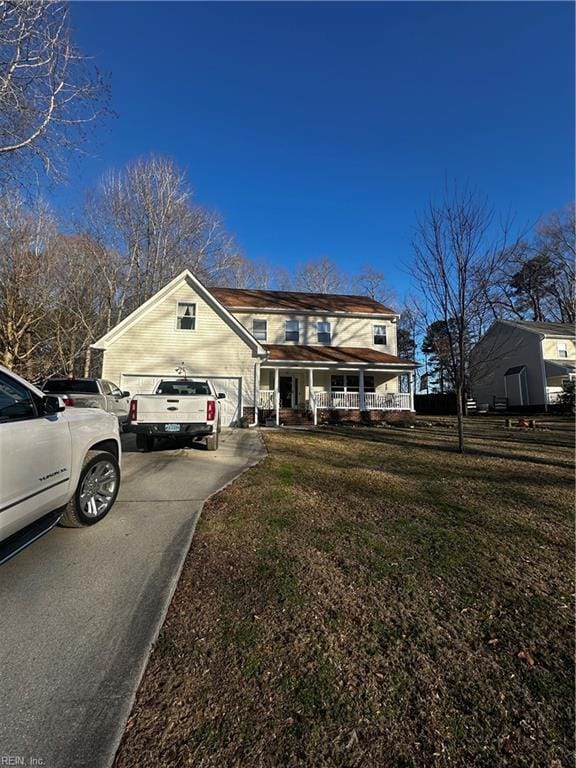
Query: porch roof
559	367
298	353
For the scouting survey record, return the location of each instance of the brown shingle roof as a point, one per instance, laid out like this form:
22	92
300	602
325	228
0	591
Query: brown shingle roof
304	354
240	298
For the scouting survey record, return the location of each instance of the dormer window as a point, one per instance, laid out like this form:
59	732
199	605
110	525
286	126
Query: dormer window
323	332
562	349
186	316
292	330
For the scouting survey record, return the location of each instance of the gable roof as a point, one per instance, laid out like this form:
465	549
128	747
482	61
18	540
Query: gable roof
184	277
298	353
297	301
548	329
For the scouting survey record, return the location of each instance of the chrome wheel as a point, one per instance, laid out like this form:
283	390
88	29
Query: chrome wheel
98	489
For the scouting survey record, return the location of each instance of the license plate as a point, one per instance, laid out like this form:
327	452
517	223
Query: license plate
172	427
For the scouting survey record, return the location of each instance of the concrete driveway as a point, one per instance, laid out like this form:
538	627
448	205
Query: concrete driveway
80	609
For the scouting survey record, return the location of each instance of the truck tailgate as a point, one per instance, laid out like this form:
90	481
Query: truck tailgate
174	409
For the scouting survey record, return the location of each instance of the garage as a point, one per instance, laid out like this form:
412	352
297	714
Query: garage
231	386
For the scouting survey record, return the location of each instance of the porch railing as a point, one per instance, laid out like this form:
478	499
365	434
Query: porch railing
266	399
389	401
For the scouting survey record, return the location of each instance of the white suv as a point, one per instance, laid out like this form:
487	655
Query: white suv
56	464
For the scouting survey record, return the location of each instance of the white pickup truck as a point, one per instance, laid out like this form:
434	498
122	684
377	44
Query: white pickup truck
179	408
57	464
90	393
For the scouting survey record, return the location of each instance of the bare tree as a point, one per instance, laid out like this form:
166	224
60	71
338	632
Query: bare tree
320	276
26	284
454	244
370	282
555	241
145	214
49	92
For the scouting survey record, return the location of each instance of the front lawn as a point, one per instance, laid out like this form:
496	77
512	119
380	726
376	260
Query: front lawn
368	597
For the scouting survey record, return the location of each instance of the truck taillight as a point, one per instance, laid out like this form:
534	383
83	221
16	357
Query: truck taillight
68	401
133	413
211	410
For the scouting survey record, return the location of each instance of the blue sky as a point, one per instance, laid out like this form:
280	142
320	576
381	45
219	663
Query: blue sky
323	128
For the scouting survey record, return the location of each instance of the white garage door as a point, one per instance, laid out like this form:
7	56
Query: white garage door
231	386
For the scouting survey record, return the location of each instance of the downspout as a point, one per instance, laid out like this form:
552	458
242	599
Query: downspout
256	393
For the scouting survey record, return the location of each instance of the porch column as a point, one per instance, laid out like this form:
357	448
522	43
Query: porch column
311	403
277	395
361	395
411	389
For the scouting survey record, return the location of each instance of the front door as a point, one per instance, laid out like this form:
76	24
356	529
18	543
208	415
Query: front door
285	386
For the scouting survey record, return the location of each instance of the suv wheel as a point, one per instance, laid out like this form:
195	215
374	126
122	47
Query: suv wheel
96	491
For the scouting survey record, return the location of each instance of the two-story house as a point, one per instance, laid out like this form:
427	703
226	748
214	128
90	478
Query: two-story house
273	353
523	362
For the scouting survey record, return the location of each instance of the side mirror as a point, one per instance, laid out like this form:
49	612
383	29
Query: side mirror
52	404
125	394
221	396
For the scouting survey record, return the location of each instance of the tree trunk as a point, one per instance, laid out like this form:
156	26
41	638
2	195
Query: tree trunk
87	362
460	414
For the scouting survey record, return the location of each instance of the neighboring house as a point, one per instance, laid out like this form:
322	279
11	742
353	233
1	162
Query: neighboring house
273	353
524	362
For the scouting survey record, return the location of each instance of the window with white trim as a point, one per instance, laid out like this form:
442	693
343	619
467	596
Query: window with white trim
562	349
323	332
186	316
351	383
379	334
293	330
260	329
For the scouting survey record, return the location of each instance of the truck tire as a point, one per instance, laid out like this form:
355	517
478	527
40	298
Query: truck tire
144	443
95	493
212	442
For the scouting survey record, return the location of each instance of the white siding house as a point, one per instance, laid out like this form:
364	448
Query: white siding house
523	362
270	352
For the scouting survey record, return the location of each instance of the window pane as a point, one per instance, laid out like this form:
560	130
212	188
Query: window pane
15	400
337	383
379	334
353	383
186	316
259	329
369	384
292	330
70	386
323	332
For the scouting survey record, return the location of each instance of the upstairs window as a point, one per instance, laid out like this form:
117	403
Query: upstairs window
186	316
323	331
292	330
260	329
379	334
562	349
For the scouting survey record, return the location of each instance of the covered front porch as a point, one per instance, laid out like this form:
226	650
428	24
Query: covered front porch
558	374
312	391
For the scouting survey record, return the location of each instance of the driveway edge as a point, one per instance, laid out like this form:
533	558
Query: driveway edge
167	600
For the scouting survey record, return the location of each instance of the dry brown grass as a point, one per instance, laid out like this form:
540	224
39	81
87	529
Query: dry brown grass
368	597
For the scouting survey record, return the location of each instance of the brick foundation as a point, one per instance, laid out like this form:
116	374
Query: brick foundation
248	413
326	416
